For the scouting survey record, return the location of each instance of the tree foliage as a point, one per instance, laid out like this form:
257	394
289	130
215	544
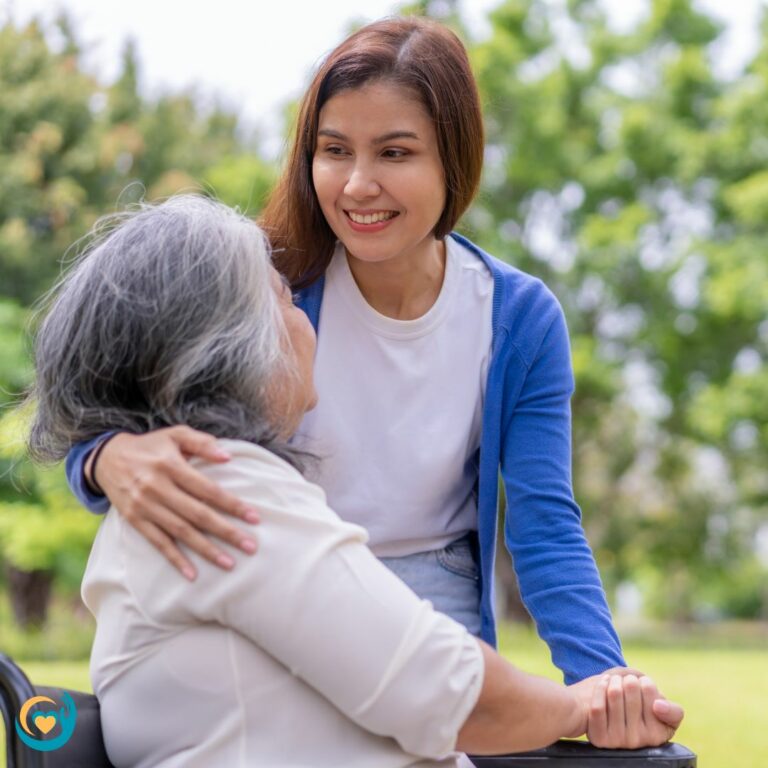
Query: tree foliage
72	148
631	177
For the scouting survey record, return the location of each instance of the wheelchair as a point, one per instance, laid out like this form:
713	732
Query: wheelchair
85	749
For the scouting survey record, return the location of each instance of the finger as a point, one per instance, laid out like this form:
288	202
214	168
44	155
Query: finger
650	693
181	532
633	712
192	442
616	716
657	730
167	549
206	490
597	727
207	520
669	713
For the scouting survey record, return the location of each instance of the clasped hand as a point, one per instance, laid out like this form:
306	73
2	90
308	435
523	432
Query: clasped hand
623	709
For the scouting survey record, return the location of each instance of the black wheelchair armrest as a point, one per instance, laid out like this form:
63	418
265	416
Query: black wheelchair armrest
581	754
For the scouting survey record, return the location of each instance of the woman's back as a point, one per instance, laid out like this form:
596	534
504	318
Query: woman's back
298	657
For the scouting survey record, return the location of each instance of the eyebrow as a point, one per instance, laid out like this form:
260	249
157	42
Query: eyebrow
378	140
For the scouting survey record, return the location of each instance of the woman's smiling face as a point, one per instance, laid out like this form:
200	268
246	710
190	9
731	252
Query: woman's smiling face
377	172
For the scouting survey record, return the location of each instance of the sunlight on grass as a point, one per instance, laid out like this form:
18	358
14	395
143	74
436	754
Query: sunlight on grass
723	691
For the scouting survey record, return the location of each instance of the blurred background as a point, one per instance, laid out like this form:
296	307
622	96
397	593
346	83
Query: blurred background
626	165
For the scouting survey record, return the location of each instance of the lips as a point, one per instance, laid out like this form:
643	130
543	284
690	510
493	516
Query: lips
370	221
370	217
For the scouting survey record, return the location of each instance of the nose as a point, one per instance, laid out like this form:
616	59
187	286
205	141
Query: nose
361	183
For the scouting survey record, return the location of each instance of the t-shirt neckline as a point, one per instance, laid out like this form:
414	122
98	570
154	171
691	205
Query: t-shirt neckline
388	326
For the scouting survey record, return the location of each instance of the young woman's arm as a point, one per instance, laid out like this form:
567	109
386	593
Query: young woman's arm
556	570
149	479
559	581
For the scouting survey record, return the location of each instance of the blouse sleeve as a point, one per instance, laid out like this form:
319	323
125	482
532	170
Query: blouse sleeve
317	600
559	581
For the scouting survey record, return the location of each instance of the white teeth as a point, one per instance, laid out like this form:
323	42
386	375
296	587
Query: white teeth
371	218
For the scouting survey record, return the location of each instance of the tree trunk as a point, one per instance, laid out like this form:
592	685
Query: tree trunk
30	593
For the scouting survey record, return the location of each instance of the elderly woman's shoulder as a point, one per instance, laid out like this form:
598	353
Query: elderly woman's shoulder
255	470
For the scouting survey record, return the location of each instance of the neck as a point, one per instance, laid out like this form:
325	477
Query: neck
403	288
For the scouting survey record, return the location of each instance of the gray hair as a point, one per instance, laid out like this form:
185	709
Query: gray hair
167	317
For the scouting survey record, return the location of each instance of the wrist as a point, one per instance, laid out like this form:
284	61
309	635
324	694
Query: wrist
576	715
89	470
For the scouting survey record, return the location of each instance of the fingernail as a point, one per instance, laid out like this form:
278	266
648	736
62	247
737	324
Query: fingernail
248	545
662	706
223	455
252	515
188	573
225	561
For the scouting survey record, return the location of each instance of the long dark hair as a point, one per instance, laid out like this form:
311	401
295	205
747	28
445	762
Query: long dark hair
418	54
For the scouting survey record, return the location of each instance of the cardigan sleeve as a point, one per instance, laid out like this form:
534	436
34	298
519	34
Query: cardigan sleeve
75	471
317	600
558	578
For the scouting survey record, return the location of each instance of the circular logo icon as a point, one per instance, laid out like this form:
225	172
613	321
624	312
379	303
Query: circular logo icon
46	729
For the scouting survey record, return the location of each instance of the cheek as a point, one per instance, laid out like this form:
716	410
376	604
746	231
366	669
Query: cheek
303	339
322	181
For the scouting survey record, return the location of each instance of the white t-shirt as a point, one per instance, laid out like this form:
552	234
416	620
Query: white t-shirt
311	653
398	421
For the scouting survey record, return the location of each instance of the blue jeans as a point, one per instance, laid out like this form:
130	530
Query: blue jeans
449	578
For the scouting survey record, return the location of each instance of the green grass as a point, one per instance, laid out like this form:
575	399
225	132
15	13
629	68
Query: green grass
723	689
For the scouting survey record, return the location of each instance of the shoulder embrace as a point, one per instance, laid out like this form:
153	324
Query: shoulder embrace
255	473
276	488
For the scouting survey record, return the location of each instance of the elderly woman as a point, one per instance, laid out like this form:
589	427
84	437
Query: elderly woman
313	653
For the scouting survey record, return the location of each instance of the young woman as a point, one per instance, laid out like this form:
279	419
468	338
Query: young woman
312	653
438	366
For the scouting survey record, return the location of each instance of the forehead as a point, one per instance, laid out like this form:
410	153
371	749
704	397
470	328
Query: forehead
375	108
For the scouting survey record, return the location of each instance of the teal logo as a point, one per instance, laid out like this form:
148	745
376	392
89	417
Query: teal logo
54	727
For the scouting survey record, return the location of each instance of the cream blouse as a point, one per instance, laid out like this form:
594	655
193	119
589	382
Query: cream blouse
309	653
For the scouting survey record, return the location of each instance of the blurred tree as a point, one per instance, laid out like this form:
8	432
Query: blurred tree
71	149
44	533
632	179
46	156
15	367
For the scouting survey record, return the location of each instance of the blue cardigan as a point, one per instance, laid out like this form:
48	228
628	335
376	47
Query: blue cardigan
526	434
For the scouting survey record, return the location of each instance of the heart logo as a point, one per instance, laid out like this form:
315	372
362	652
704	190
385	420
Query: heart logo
45	722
